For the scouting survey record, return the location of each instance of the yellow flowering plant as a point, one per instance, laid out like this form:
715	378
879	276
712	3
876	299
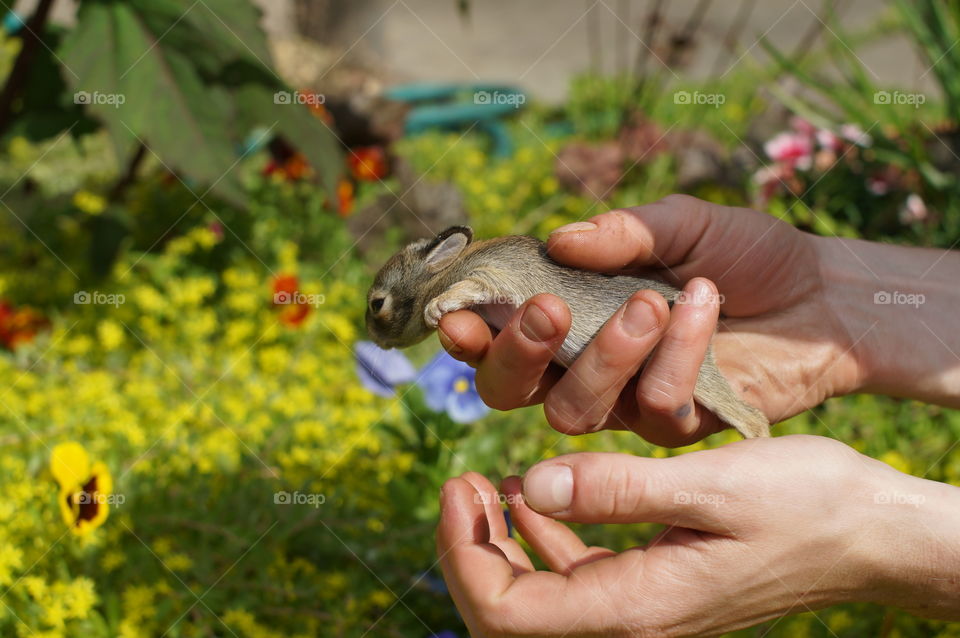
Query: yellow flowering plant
183	455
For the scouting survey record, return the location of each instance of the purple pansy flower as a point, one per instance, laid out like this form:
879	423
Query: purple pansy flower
380	370
446	633
448	386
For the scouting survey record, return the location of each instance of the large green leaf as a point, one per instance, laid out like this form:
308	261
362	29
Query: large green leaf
145	90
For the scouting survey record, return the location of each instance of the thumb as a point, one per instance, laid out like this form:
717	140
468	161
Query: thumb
621	488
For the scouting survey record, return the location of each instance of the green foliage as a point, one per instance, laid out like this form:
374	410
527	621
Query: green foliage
190	82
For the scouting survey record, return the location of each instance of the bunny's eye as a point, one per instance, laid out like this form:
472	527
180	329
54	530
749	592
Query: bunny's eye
376	304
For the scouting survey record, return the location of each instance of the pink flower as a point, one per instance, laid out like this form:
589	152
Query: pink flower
913	210
770	180
878	185
217	229
828	139
802	126
855	134
792	149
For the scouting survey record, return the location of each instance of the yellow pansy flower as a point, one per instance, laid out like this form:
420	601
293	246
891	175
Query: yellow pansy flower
85	488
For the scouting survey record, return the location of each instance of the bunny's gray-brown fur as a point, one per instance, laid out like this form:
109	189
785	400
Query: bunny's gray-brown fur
432	277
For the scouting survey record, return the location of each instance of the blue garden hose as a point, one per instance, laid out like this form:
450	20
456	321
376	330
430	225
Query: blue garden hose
455	107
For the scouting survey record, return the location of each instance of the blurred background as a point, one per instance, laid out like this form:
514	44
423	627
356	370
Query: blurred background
197	438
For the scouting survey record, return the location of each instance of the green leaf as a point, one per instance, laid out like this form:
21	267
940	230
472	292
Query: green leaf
143	89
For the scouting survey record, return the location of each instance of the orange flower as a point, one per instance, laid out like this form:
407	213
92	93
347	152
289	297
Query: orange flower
19	325
286	295
367	163
292	168
345	197
294	314
321	112
285	284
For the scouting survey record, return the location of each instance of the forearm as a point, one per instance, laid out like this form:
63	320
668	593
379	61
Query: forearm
899	306
917	548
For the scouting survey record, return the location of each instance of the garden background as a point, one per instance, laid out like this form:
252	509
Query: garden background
191	212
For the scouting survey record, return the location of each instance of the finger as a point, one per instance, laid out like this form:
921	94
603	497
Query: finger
559	547
482	583
620	488
516	370
656	235
584	397
465	335
679	235
474	569
665	389
497	524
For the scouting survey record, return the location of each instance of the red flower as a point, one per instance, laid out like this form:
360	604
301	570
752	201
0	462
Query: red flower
19	325
367	163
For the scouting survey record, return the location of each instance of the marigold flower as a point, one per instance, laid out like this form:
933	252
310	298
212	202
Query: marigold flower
19	325
345	198
367	163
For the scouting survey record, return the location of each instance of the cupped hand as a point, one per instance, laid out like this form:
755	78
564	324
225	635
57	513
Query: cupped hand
780	342
756	530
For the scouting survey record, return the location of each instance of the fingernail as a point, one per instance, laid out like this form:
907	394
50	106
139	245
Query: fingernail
536	325
548	488
639	318
575	227
448	344
697	292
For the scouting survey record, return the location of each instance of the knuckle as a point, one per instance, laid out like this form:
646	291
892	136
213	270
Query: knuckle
560	415
680	200
494	396
656	399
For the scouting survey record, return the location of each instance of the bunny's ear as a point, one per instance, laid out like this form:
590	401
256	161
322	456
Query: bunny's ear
447	247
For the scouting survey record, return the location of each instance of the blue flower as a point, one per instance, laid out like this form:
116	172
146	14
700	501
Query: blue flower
448	386
446	633
380	370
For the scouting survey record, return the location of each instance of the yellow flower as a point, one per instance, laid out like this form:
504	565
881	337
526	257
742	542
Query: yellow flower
110	334
85	488
88	202
11	559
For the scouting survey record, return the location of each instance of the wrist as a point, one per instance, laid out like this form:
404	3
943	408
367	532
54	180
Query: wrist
894	305
916	547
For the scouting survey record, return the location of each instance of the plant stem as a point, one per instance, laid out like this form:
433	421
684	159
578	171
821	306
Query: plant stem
16	81
129	176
